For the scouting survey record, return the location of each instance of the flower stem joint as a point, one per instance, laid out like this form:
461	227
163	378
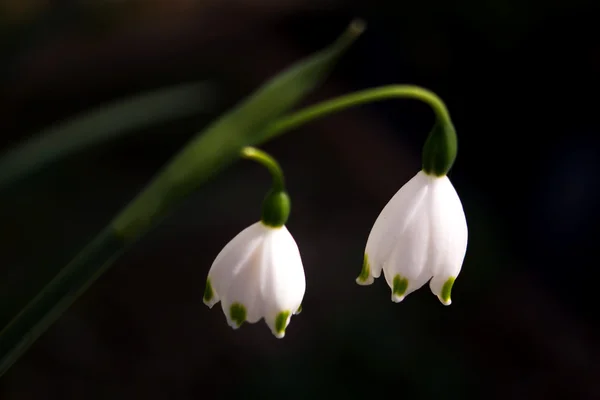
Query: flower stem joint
276	208
439	151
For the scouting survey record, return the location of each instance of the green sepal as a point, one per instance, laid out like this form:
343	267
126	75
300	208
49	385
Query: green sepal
439	151
276	208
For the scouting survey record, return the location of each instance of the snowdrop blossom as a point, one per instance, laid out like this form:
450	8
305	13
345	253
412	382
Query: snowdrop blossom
259	274
420	235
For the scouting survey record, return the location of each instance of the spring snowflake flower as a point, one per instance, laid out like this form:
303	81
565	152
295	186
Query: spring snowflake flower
258	274
421	234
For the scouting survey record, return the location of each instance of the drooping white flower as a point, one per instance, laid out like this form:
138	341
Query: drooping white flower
421	234
258	274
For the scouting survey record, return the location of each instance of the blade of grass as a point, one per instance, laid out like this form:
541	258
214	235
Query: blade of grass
213	149
103	124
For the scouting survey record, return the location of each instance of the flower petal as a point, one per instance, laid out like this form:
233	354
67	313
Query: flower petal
244	291
229	260
449	236
407	268
391	223
284	283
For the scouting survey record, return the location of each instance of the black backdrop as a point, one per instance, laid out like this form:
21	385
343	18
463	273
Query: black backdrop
520	80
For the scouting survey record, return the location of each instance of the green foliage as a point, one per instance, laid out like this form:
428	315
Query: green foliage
101	125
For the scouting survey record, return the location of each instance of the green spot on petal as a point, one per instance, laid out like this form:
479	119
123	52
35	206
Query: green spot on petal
280	321
365	273
208	291
299	310
447	289
399	285
237	313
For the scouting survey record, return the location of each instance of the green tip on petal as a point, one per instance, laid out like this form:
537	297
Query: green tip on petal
365	277
446	291
281	321
209	294
399	287
299	310
237	314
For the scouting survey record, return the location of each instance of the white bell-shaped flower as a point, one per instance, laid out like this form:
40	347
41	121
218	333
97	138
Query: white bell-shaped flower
421	234
258	274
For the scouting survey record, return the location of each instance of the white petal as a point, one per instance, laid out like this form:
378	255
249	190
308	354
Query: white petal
391	224
284	282
242	302
449	235
407	268
230	259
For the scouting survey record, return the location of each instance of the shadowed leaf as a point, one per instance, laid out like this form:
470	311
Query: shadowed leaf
104	124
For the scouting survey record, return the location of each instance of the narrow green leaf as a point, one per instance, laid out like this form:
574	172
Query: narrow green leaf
103	124
213	149
221	143
57	296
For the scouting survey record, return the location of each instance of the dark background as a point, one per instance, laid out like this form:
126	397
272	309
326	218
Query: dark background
520	79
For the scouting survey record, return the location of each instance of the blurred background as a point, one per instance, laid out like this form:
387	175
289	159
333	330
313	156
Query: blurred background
520	79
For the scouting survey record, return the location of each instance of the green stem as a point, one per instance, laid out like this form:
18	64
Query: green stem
276	205
254	154
320	110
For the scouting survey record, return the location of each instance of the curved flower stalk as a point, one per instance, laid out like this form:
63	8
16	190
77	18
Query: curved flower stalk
259	273
421	234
